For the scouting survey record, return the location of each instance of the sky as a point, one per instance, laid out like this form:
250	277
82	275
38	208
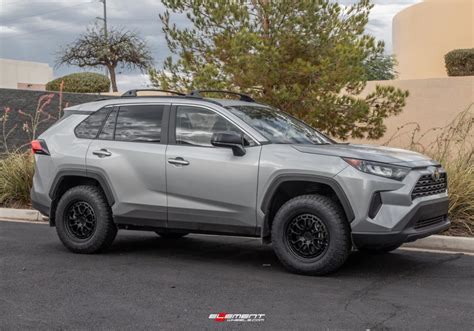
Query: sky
35	30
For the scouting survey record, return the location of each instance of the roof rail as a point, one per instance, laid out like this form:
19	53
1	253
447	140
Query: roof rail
133	93
197	94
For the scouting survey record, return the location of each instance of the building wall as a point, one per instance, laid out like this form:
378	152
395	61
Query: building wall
425	32
24	74
432	103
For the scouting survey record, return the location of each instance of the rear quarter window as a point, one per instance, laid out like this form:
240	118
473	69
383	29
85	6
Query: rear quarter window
90	127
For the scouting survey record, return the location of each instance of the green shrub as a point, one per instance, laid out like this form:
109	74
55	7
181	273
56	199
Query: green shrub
460	62
16	178
82	82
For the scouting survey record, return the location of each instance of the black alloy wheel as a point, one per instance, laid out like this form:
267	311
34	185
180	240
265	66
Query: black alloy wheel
80	220
307	236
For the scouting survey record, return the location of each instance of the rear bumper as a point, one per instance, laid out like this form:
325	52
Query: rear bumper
37	204
427	218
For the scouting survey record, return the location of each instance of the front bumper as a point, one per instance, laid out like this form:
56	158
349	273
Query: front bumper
427	218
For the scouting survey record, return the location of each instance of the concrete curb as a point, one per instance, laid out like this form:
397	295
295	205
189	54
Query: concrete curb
444	243
21	214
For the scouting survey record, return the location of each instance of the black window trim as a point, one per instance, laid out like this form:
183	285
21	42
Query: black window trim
172	124
103	124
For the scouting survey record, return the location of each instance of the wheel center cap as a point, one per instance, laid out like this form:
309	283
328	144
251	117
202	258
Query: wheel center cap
308	236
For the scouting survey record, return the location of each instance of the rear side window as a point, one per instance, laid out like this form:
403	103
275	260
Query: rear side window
139	123
89	128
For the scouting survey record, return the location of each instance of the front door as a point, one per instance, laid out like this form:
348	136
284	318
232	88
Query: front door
130	152
209	189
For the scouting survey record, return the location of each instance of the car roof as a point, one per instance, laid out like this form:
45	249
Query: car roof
96	105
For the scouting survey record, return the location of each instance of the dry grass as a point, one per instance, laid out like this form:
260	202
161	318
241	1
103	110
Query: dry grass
16	177
454	148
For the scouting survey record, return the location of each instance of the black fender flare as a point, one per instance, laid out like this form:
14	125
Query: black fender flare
96	174
331	182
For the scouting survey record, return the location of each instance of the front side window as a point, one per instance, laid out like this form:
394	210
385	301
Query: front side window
139	123
278	127
195	126
89	128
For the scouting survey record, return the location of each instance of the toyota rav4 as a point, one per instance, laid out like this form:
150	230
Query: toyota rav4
188	164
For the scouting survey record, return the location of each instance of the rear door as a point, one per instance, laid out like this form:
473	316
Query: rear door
130	152
209	188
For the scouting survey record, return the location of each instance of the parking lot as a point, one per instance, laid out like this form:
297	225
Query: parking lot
146	282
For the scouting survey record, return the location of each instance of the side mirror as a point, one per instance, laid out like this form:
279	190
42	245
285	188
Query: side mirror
230	140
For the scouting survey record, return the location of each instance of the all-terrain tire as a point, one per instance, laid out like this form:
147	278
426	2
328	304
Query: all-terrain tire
327	212
104	230
171	235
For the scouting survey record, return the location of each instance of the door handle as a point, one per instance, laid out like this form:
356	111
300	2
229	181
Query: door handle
178	161
102	153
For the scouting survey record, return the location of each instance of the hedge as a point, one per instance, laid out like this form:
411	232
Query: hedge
82	82
460	62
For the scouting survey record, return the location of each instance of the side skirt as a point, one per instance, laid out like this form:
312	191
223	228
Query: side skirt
191	227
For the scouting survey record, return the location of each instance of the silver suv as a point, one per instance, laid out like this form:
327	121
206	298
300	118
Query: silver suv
188	164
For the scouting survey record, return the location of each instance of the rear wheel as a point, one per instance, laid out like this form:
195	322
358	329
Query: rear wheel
84	220
311	236
171	235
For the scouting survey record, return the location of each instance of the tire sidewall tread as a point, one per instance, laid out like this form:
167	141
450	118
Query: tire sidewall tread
105	230
330	213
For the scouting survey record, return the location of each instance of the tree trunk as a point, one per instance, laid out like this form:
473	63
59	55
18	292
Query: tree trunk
113	79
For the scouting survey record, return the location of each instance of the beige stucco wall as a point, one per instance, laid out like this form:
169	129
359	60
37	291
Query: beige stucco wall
24	74
432	103
425	32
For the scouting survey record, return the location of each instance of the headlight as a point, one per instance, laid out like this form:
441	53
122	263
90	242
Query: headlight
379	169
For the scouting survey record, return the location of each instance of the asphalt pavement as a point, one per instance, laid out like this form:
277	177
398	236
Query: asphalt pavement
146	282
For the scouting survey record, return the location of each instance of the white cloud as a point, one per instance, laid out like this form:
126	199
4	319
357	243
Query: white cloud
133	81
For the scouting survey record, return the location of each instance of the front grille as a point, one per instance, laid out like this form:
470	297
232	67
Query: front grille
429	222
426	185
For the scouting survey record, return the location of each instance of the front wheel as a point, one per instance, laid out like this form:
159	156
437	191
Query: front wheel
311	236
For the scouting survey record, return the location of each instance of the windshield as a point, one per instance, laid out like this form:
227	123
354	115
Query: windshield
277	126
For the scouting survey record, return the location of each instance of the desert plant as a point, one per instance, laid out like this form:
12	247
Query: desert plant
81	82
40	116
16	177
31	123
460	62
454	148
461	193
6	133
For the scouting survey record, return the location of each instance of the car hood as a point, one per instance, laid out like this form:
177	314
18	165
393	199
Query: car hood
372	153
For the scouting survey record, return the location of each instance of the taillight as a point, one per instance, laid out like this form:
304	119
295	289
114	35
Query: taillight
39	147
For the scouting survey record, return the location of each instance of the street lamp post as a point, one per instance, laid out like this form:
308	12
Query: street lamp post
104	2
